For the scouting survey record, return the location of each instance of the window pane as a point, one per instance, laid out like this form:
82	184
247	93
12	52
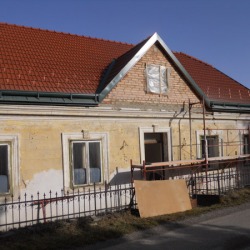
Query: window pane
95	162
212	146
79	163
4	179
246	144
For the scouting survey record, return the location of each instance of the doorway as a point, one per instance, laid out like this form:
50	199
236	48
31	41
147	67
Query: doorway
156	147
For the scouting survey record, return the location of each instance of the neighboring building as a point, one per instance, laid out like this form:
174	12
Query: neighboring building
74	110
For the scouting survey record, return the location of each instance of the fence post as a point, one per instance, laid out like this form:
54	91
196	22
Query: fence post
25	205
43	208
218	180
79	205
73	201
95	197
5	210
68	202
19	211
105	195
38	208
32	208
50	204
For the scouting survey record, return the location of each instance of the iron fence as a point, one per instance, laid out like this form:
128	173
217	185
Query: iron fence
26	211
96	201
220	181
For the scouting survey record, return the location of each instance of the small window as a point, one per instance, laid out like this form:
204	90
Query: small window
245	144
86	162
212	146
157	80
4	169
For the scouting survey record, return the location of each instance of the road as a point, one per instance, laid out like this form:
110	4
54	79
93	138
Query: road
226	229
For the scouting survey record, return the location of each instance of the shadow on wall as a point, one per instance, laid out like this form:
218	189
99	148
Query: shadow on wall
124	177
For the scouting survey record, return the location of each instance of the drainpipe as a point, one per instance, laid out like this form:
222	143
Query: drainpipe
190	128
205	140
180	146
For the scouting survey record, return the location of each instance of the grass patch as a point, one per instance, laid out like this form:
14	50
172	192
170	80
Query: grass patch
84	231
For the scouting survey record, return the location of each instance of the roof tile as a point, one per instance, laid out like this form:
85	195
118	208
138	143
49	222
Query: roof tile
40	60
40	53
216	85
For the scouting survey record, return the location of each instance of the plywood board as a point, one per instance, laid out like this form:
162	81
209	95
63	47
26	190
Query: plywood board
161	197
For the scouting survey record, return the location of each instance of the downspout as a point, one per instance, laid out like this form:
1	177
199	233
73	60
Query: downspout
180	146
190	128
205	140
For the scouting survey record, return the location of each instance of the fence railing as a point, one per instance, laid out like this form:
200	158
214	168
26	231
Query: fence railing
218	177
220	181
40	208
26	211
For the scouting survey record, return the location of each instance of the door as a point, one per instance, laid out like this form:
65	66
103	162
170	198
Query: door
156	147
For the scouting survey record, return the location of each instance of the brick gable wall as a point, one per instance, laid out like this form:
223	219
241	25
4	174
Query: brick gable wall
132	88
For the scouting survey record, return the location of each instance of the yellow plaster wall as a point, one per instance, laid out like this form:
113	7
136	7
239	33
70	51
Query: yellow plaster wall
40	144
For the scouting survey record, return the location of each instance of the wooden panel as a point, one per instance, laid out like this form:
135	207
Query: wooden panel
161	197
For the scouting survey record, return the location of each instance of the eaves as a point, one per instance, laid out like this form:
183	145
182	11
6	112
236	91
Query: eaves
48	98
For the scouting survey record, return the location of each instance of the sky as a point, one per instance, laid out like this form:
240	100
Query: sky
214	31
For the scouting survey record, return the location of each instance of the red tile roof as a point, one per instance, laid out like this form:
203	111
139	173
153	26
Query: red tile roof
47	61
40	60
216	85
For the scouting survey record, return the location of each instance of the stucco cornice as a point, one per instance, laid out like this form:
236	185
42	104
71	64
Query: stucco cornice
109	112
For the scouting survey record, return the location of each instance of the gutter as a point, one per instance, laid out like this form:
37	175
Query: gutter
33	97
229	106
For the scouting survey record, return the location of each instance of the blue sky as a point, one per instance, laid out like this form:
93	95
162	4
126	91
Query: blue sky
215	31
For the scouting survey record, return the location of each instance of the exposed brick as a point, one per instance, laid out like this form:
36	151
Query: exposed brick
132	87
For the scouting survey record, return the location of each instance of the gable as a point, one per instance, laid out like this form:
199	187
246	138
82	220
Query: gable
132	89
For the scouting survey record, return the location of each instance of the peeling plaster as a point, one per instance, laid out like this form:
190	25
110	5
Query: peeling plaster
44	182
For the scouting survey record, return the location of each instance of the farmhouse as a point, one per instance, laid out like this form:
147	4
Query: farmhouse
75	110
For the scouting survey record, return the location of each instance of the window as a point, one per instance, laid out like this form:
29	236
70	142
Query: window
9	171
85	158
212	146
214	143
86	162
246	144
157	80
156	147
155	144
4	169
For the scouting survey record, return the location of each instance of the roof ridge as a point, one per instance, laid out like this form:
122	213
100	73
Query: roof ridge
65	33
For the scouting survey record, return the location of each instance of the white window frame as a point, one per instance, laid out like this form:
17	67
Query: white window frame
67	138
86	142
211	132
161	81
242	140
13	163
154	129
